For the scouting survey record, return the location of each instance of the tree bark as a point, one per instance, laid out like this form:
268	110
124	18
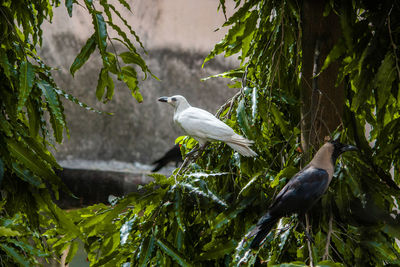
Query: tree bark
322	100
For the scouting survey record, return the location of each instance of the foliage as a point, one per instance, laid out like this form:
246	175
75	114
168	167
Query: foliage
31	110
201	214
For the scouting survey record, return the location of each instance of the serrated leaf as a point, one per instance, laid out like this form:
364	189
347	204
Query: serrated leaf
29	160
55	108
125	4
84	54
200	192
173	253
26	78
131	31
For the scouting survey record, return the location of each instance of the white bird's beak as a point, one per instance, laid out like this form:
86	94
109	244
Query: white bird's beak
163	99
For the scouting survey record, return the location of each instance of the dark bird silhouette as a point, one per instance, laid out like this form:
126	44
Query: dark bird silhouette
174	154
302	191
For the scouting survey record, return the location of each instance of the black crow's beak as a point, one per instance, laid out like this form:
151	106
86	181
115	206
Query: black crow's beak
349	148
163	99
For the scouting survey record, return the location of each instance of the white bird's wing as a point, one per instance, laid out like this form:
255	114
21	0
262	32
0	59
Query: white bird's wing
202	124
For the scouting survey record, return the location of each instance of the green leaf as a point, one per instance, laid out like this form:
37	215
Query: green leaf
243	119
218	251
26	78
26	175
55	106
68	5
280	121
84	54
178	210
102	83
147	249
328	264
100	34
73	248
30	161
203	193
173	253
1	171
338	50
130	78
125	4
5	231
384	79
134	58
15	255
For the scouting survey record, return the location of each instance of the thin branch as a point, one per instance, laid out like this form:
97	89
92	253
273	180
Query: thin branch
328	238
309	242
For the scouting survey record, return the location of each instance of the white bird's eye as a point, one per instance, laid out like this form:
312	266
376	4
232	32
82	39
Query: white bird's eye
173	99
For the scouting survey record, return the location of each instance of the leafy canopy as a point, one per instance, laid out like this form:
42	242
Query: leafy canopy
201	214
29	96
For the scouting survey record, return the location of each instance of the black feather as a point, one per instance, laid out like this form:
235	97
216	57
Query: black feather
174	154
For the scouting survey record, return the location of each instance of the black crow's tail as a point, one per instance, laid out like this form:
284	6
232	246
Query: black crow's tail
262	229
174	154
160	163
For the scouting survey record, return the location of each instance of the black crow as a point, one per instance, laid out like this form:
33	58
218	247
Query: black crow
302	191
174	154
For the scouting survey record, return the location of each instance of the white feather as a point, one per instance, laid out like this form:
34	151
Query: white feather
203	126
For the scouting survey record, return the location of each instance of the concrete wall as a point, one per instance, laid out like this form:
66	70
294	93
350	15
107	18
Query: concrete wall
178	34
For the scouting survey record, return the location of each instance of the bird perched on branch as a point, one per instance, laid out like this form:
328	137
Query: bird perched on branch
203	126
302	191
174	154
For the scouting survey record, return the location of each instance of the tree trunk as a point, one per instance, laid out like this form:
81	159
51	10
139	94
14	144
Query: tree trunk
322	101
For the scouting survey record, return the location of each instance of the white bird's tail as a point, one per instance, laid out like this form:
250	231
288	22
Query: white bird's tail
241	145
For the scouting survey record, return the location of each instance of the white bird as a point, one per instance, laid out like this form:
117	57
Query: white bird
203	126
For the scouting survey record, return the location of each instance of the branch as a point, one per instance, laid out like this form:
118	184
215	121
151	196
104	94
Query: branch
309	242
328	238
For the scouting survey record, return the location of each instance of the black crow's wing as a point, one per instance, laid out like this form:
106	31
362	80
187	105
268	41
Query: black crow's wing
301	192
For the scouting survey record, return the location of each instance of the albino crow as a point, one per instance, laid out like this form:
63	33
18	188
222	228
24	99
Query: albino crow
203	126
302	191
